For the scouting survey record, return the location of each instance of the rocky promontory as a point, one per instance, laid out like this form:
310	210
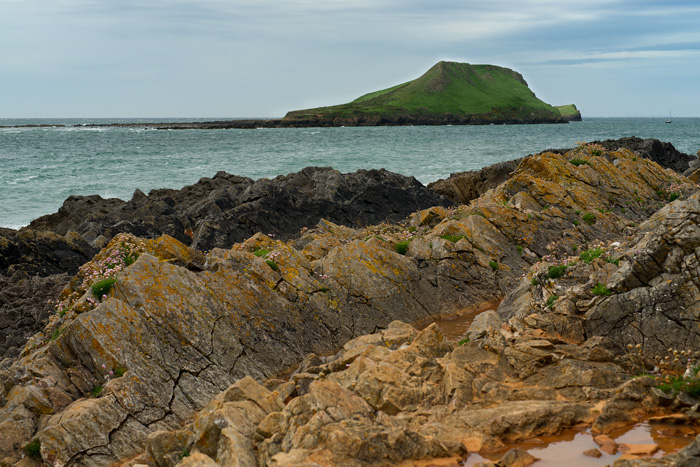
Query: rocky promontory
159	353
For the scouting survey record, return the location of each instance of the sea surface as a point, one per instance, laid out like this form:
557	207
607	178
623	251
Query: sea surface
41	166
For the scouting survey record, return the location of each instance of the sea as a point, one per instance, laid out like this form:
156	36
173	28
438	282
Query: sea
41	166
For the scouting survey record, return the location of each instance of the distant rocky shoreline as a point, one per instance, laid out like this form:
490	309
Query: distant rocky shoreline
217	288
252	124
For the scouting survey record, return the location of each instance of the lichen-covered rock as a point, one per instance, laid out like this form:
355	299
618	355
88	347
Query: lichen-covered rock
149	332
399	395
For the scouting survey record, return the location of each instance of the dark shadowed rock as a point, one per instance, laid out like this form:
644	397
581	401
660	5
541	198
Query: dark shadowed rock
664	154
216	212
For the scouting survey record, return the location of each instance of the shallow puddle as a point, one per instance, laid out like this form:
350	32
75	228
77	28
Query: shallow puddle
568	448
456	325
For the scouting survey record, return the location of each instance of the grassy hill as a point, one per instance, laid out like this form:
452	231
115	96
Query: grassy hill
448	93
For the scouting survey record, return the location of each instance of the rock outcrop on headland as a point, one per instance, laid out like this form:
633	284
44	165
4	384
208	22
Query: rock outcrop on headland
118	369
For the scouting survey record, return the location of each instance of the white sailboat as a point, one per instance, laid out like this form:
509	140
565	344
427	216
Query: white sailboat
669	116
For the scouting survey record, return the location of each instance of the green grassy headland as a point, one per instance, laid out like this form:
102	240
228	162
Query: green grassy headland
448	93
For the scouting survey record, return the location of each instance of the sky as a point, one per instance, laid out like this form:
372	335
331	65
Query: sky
262	58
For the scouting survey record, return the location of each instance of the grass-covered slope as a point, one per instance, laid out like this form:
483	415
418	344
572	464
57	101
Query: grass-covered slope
448	93
569	112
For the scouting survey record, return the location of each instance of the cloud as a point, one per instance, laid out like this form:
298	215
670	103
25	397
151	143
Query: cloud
267	56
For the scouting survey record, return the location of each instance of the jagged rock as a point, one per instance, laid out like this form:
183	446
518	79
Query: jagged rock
662	153
463	187
657	299
25	308
214	212
225	209
183	325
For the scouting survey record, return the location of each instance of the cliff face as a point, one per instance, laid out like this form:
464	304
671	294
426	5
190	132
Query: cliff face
447	94
131	361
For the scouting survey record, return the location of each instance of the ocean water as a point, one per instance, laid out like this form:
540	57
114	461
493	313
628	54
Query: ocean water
42	166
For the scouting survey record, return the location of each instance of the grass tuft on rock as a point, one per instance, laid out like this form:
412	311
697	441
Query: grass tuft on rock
601	289
556	271
33	449
452	238
402	247
591	254
589	218
102	288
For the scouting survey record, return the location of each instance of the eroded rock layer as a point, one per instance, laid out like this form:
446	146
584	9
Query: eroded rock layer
151	333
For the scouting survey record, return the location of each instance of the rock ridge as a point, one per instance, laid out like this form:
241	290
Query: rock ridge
179	329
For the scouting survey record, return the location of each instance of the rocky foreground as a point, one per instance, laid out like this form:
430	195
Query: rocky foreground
158	353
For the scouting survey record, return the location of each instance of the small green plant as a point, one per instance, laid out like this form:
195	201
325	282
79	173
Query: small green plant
551	300
261	252
623	210
660	193
402	247
56	332
673	196
478	213
604	210
577	223
578	162
556	271
272	265
33	449
591	254
678	384
534	281
589	218
574	247
102	288
412	228
520	249
494	265
184	453
577	212
463	341
119	371
96	390
615	261
601	289
452	238
130	259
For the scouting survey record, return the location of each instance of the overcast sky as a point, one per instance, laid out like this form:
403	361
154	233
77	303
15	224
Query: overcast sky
261	58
